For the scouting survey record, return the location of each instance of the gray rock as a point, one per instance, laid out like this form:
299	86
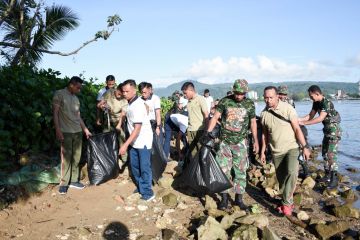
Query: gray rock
268	234
327	231
303	216
314	221
211	230
228	220
170	200
308	183
210	203
145	237
346	211
216	213
245	232
165	182
168	234
298	199
348	195
258	220
84	232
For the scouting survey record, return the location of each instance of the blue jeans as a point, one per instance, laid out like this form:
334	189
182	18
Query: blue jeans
141	169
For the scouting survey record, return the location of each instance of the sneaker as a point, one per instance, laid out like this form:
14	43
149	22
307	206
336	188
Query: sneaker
63	189
286	209
77	185
148	198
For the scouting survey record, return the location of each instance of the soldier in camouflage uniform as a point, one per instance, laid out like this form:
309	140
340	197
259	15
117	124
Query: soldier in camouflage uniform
332	131
283	92
237	115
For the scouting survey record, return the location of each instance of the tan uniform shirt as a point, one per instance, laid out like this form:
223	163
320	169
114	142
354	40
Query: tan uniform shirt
281	134
116	105
196	107
69	111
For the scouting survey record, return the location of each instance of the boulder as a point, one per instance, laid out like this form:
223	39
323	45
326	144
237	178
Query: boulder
298	199
228	220
245	232
258	220
346	211
168	234
348	195
268	234
210	203
170	200
308	183
326	231
302	215
165	182
211	230
216	213
315	221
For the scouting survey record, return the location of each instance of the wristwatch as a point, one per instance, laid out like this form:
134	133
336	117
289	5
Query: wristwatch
306	146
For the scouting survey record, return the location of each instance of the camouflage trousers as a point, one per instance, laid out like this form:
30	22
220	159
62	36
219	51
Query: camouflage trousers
234	157
332	137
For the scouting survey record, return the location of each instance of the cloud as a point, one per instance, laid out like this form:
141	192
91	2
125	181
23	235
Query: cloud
353	62
262	69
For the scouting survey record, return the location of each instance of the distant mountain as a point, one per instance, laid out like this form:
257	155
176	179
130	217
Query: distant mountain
219	90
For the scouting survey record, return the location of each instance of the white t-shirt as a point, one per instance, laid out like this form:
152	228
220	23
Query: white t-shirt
101	94
209	101
137	113
154	103
183	101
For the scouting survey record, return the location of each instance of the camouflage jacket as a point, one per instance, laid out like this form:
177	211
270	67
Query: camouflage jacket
235	118
327	106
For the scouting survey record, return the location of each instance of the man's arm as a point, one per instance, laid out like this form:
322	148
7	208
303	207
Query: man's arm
308	117
264	144
213	121
84	128
134	134
59	135
158	120
253	127
318	119
300	137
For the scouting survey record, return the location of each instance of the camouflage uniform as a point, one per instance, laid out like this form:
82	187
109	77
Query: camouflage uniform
332	132
235	124
285	91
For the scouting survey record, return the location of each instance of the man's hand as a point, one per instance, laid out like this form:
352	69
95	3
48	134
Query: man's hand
122	150
306	153
157	130
87	133
263	159
59	135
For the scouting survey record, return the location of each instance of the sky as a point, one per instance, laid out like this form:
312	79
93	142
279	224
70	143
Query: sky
164	42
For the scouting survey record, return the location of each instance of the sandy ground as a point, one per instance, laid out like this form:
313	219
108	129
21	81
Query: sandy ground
112	211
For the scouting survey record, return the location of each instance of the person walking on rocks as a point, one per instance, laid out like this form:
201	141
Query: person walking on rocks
281	131
332	131
237	114
140	140
198	117
69	127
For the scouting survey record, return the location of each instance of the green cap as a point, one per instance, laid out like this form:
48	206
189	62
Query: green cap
283	90
241	85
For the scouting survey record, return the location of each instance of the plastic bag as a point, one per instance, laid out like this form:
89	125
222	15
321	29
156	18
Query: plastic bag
102	157
158	159
203	174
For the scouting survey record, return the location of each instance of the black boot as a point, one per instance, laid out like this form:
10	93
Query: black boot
224	201
305	170
326	178
239	202
334	179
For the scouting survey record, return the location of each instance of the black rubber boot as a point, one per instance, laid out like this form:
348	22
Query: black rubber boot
305	170
239	202
326	178
224	201
334	179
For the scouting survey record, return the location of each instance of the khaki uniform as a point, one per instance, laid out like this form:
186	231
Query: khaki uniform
196	107
284	148
69	120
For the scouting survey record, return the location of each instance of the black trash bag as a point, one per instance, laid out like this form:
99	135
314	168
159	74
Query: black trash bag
102	157
158	158
204	175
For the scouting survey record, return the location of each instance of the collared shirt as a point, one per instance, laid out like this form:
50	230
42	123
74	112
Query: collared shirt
137	114
69	111
281	134
154	103
196	107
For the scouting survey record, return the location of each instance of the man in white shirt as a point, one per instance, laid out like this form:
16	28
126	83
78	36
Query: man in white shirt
209	99
139	142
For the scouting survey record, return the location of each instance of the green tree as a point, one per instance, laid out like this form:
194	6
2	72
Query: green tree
29	29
